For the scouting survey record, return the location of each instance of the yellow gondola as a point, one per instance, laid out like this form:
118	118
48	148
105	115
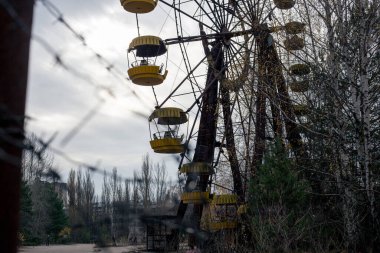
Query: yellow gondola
167	146
294	27
299	86
145	71
148	46
299	69
147	75
197	168
284	4
221	213
167	137
195	197
214	226
294	43
225	199
300	110
242	210
139	6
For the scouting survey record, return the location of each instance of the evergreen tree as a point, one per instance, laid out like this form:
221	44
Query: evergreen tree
278	204
26	214
57	216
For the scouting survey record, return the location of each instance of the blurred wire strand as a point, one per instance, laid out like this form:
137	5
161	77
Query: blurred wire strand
9	8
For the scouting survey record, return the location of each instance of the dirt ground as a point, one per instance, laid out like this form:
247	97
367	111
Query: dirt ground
80	248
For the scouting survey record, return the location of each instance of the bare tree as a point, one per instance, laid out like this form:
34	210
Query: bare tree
160	177
71	190
127	191
345	37
146	181
135	190
89	194
36	160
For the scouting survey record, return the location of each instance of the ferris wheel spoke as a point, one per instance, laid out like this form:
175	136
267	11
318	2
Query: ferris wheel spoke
260	11
193	81
190	136
249	49
216	21
246	8
237	51
185	57
233	72
188	15
182	82
239	22
219	12
239	65
227	14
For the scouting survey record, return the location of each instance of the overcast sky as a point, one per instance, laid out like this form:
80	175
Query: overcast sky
58	99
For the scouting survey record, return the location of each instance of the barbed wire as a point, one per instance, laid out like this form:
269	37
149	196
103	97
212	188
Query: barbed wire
49	48
108	65
46	146
59	16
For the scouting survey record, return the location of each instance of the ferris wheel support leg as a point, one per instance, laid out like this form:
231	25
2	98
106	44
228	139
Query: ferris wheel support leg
230	141
261	106
204	151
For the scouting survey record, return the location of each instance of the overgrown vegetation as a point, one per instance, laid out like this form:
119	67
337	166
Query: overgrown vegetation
278	203
42	215
56	212
328	199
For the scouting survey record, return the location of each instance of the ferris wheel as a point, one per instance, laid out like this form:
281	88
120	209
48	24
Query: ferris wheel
249	84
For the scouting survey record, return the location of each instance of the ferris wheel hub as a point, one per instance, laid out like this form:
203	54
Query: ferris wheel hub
226	36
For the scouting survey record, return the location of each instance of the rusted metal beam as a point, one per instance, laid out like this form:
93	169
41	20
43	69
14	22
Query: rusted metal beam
259	146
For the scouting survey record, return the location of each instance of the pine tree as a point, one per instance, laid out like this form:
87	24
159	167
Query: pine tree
58	218
26	214
277	203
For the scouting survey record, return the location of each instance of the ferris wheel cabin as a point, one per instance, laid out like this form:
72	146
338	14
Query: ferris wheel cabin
299	86
199	168
166	136
284	4
222	213
300	110
299	69
294	27
139	6
196	169
294	43
146	52
196	197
